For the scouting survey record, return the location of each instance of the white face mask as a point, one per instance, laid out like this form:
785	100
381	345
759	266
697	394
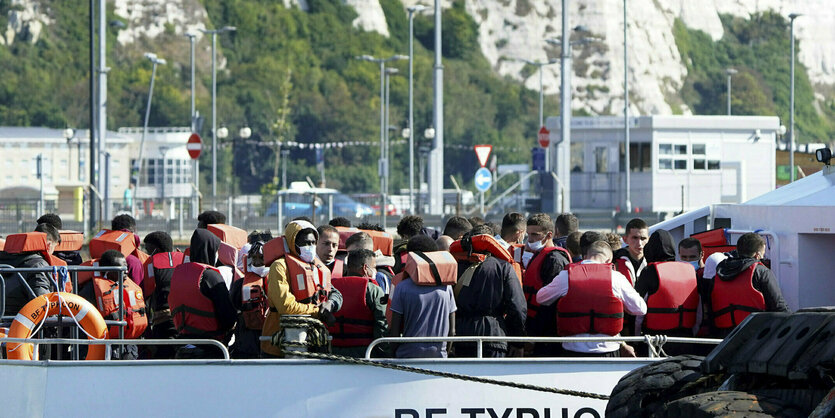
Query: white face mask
307	253
527	256
261	271
536	246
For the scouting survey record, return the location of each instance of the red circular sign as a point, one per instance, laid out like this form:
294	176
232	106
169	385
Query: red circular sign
194	146
544	137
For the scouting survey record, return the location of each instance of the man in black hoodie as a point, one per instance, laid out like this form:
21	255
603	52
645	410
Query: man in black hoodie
744	285
17	293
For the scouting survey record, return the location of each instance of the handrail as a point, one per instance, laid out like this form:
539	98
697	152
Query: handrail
649	339
109	342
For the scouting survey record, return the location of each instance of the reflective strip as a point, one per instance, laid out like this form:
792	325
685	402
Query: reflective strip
122	237
132	297
101	304
82	313
100	233
246	292
300	281
24	321
96	273
170	260
151	269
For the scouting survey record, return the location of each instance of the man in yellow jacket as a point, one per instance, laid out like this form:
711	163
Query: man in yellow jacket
298	283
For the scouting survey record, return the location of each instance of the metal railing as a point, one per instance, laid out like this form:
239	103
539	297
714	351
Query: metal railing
108	343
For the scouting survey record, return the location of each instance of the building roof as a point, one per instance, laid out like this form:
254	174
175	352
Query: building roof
815	190
41	134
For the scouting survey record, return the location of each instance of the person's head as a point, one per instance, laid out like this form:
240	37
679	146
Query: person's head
495	229
587	239
53	237
257	235
614	241
421	243
599	251
361	263
340	221
444	242
158	242
123	222
409	226
301	237
327	244
112	258
690	251
660	247
540	231
565	224
513	228
482	229
367	226
305	242
572	244
456	227
255	255
359	241
52	219
476	220
210	217
751	245
635	237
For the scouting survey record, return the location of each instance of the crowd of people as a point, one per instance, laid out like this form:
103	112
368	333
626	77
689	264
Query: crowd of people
529	276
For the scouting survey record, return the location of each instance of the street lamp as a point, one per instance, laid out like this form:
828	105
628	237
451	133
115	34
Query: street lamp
383	126
411	135
627	158
69	134
730	72
389	73
138	166
193	119
214	33
792	17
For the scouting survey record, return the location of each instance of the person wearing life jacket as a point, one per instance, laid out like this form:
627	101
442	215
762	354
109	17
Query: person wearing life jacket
670	289
489	298
362	318
326	247
591	301
298	283
565	224
629	261
513	230
159	268
209	217
383	264
35	252
572	244
542	261
103	292
744	285
71	256
252	238
249	296
126	223
199	299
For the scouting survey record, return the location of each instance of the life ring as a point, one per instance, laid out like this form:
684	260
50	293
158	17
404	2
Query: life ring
46	305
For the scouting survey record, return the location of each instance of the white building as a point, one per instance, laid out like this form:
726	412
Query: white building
167	169
677	162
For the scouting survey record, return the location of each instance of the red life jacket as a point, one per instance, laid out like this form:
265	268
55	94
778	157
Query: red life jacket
673	306
192	312
253	301
354	321
532	281
733	300
476	248
345	232
338	268
624	266
158	272
590	306
309	282
108	304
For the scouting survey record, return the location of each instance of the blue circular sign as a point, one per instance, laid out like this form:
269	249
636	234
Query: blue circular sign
483	179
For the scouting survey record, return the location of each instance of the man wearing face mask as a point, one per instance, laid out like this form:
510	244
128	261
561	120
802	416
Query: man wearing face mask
669	288
298	282
690	251
542	261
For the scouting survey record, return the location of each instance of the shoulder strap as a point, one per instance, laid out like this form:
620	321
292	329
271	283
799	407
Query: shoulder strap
432	267
466	277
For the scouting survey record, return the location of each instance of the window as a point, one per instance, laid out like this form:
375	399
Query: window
639	157
706	157
601	160
672	157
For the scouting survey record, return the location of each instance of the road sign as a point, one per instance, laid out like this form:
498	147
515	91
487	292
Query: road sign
544	137
483	179
538	157
194	146
483	153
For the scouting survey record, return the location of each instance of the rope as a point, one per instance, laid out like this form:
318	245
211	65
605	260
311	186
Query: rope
318	339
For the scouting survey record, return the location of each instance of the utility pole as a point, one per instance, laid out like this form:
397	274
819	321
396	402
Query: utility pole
436	156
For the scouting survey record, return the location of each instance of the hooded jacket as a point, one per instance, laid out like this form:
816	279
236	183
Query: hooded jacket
16	293
763	281
280	299
660	247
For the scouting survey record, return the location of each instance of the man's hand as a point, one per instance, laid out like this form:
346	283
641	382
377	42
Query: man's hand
627	350
325	314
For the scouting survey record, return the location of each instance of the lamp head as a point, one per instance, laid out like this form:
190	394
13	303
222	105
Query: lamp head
793	16
823	155
731	71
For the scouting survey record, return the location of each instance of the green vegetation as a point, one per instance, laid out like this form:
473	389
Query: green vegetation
759	48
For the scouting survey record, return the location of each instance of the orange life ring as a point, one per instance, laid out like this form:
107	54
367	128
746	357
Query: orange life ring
46	305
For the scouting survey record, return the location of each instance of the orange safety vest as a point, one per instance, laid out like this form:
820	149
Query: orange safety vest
236	237
35	242
121	241
383	241
354	321
532	282
309	282
673	306
192	312
733	300
436	268
478	246
70	241
345	232
254	301
590	306
108	304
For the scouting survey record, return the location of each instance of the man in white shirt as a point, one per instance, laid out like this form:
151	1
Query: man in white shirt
583	316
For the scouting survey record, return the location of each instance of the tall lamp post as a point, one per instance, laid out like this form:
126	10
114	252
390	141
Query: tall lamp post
214	33
383	164
195	203
792	17
628	163
138	166
730	72
69	134
411	133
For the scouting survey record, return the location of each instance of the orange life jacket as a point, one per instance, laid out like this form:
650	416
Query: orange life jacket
309	282
383	241
590	306
158	272
254	301
532	282
121	241
35	242
354	321
436	268
236	237
733	300
345	232
2	244
713	237
108	304
70	241
673	306
192	312
624	266
475	249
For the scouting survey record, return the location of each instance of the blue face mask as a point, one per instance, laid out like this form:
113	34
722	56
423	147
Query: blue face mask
695	264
